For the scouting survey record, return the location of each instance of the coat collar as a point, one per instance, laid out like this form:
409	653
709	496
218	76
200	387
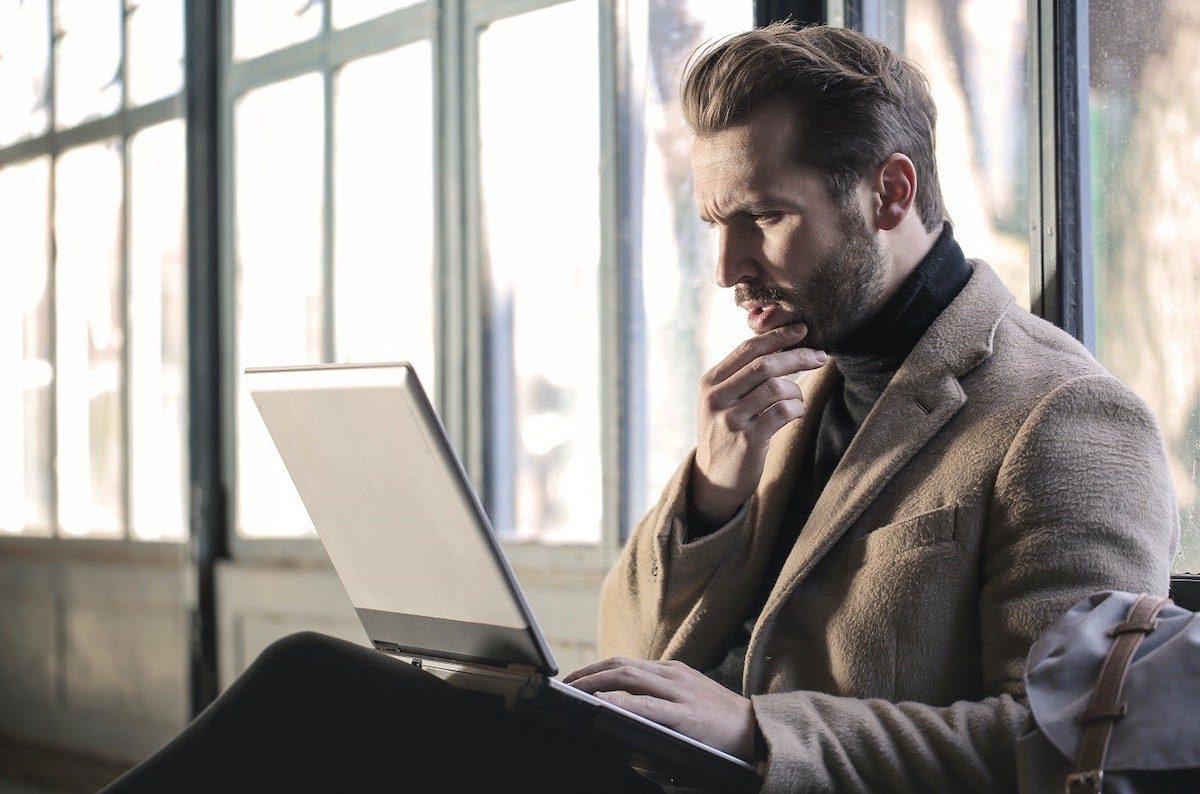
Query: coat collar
921	398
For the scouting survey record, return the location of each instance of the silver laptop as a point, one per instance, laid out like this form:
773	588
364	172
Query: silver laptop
416	553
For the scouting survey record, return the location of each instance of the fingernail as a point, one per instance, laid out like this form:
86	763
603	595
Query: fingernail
799	328
821	357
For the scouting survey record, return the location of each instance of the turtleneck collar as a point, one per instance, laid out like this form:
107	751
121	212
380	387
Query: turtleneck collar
903	320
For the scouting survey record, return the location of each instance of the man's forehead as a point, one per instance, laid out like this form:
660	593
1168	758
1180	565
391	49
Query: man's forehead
751	154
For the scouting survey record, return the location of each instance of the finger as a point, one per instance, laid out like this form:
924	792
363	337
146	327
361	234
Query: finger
770	421
776	339
760	399
663	668
762	369
603	664
634	680
661	711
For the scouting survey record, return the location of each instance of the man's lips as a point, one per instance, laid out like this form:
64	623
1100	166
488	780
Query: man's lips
762	316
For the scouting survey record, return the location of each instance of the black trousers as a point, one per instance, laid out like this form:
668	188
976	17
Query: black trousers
314	713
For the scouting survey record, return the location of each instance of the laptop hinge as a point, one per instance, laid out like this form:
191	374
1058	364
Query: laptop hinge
521	669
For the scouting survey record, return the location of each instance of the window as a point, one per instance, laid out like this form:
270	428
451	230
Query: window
684	323
1144	114
93	346
541	257
976	55
332	244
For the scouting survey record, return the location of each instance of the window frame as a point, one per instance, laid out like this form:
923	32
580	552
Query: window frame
452	29
120	126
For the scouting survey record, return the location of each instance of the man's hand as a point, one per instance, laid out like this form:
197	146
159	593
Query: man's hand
744	401
677	696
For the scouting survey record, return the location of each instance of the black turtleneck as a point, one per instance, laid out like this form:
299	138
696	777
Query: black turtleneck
866	365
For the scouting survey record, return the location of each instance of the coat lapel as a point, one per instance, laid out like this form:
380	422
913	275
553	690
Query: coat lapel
923	396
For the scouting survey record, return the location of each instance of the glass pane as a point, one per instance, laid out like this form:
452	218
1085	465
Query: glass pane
157	334
90	341
260	26
974	54
24	56
351	12
87	80
154	49
541	240
383	166
1145	137
26	369
281	299
688	323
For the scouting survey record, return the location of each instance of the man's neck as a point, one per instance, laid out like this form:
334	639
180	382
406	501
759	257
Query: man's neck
895	328
907	245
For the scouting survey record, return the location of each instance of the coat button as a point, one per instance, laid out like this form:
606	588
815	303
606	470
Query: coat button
654	569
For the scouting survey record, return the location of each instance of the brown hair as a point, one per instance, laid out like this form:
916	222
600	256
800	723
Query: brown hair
856	101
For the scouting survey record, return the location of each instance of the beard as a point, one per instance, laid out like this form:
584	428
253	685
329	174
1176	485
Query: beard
842	292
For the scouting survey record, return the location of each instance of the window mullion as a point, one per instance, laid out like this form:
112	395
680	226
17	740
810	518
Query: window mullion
125	286
451	191
614	474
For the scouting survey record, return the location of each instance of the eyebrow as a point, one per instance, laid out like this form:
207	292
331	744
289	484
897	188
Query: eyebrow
753	208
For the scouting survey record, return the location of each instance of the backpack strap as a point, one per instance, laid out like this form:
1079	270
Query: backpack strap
1106	706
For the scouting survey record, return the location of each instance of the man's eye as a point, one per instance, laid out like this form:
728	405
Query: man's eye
766	218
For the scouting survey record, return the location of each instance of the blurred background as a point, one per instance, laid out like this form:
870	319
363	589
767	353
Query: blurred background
499	192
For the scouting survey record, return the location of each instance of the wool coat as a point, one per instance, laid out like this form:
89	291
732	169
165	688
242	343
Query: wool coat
1002	475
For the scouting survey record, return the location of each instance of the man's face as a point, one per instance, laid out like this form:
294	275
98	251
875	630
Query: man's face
792	252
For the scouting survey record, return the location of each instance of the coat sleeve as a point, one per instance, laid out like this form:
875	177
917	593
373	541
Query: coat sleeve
660	578
1082	502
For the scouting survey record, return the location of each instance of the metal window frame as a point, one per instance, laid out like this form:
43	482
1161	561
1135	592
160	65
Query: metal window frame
1066	289
120	126
208	528
803	12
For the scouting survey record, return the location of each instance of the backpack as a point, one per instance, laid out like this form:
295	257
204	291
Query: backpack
1114	691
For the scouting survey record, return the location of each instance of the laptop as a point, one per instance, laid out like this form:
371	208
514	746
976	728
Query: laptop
411	544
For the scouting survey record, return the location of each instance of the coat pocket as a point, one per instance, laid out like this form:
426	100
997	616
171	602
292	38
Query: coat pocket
889	541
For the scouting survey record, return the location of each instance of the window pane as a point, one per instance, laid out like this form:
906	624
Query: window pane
1145	136
154	49
26	370
689	323
351	12
260	26
974	54
541	241
281	299
383	166
87	80
90	341
157	334
24	53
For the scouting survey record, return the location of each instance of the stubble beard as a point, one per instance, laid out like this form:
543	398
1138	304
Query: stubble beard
843	289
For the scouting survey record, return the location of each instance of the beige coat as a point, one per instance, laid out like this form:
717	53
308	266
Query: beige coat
1001	476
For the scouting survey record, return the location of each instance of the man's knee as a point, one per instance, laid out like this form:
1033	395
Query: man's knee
296	651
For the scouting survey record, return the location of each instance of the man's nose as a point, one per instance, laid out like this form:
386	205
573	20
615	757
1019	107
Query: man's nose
735	260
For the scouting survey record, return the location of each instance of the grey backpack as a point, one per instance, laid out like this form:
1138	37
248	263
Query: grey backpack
1114	687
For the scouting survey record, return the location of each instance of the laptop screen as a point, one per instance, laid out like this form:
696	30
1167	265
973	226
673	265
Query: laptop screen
395	512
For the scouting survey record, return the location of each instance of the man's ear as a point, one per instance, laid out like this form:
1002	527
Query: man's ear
895	190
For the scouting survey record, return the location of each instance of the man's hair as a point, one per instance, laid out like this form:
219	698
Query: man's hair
855	100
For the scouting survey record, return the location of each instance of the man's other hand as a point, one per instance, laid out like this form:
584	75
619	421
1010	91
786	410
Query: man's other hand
744	401
677	696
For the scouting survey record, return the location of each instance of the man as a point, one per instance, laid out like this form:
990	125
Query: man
860	565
